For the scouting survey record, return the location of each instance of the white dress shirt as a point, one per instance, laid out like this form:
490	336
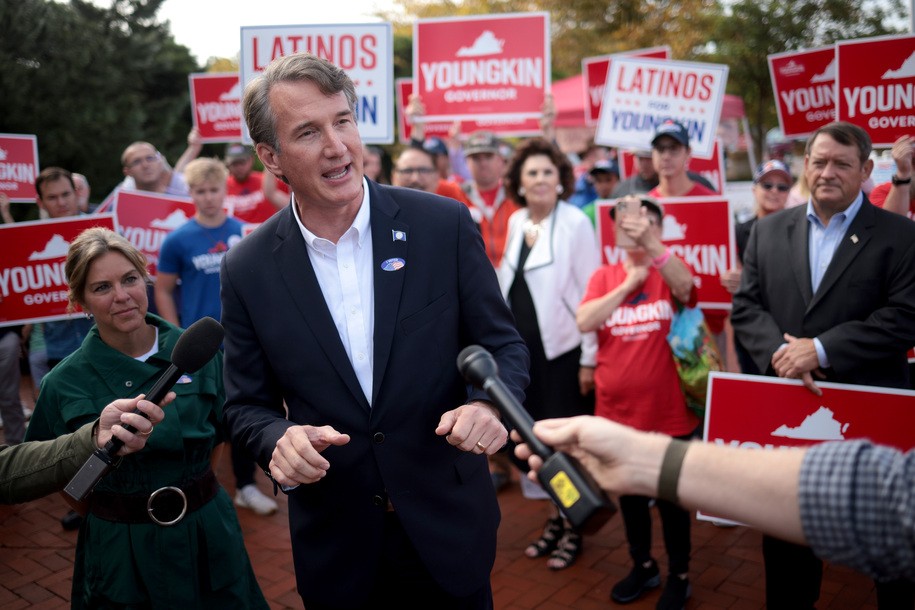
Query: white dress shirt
344	272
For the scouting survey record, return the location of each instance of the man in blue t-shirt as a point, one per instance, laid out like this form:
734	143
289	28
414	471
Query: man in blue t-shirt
192	254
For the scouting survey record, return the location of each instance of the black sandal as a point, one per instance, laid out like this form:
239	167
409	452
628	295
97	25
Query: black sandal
567	551
548	541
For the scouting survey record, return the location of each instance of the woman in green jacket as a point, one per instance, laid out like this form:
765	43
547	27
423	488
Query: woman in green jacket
160	532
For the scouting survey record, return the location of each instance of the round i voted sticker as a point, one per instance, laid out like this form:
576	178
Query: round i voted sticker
393	264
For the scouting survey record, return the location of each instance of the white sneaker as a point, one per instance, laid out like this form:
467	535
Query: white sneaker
251	497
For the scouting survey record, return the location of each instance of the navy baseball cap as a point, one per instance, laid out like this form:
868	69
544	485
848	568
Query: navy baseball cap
771	166
673	129
605	166
435	146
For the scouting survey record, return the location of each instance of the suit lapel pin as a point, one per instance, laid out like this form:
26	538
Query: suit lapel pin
398	235
854	239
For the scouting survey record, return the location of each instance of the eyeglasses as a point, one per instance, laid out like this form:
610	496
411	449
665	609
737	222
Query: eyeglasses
146	159
781	188
422	171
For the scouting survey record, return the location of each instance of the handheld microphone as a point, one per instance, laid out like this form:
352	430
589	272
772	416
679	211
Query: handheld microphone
195	347
584	503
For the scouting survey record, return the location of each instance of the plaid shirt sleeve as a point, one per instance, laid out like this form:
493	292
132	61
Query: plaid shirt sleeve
857	505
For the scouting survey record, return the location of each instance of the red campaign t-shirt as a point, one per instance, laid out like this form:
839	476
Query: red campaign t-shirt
246	200
878	195
636	380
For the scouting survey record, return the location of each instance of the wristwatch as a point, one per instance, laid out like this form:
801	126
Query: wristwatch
899	181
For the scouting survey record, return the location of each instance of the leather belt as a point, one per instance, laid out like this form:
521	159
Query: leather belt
165	506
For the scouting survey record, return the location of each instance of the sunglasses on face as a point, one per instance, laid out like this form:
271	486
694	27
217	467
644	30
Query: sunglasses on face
781	188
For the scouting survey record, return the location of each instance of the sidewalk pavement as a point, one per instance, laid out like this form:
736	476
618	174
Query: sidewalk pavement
36	560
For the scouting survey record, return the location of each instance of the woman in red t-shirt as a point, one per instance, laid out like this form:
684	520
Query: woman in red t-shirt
630	305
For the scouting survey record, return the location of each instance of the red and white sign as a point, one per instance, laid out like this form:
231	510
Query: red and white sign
700	230
875	84
32	279
804	86
756	412
642	93
768	412
502	127
473	68
363	50
711	169
18	166
216	105
595	70
145	219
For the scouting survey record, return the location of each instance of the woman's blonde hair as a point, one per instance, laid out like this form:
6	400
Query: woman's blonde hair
90	245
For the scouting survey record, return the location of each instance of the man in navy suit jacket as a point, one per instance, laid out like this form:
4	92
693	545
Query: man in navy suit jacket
347	310
828	292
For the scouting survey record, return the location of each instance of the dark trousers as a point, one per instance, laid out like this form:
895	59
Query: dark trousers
794	573
675	522
404	582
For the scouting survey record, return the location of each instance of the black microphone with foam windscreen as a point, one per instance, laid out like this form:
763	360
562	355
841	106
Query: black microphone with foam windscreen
568	483
195	347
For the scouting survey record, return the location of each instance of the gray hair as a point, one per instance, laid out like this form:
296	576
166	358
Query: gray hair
260	117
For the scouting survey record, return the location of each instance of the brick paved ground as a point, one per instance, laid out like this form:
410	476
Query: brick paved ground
36	557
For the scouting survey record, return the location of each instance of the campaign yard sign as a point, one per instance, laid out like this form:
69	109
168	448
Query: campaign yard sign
506	127
712	169
146	219
756	412
32	279
804	86
482	67
363	50
642	93
699	230
595	69
18	166
216	105
876	86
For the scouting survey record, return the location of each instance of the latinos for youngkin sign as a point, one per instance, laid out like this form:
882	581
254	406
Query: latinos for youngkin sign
804	86
32	279
18	166
363	50
642	93
876	86
467	68
595	70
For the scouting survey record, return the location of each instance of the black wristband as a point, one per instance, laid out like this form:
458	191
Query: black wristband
669	478
897	181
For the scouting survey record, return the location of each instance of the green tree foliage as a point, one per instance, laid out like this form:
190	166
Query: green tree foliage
754	29
88	81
